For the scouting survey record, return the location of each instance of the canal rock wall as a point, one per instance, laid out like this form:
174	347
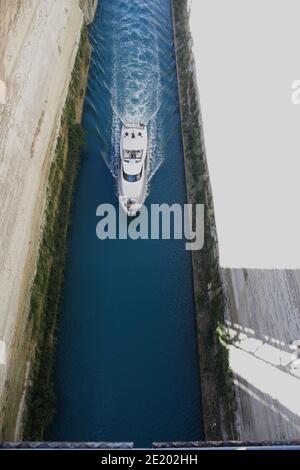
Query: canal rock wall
39	42
263	318
256	312
262	310
216	379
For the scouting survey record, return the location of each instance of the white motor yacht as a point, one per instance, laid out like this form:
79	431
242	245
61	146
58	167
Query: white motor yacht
133	169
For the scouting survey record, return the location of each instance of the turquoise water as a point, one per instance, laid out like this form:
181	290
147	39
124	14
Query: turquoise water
127	366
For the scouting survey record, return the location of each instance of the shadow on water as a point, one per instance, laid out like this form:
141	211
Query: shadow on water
127	367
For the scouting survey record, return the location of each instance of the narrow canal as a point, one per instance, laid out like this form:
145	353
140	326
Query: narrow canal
127	367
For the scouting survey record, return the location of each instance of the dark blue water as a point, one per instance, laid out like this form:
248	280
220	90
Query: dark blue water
127	367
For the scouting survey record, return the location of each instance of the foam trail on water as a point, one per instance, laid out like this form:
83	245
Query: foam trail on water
135	85
116	132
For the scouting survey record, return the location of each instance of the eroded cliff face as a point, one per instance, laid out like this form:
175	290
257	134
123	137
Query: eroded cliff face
38	45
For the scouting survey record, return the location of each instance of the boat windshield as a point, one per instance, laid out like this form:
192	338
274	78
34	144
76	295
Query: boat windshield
132	178
129	155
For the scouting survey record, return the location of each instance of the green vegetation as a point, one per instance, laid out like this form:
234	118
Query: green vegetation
46	289
217	385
